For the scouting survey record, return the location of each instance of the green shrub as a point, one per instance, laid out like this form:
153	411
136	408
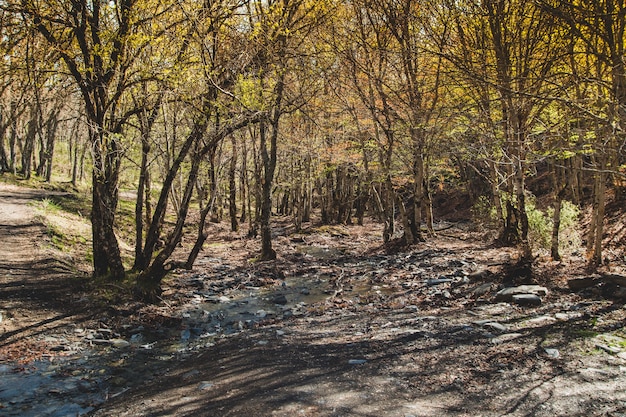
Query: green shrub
539	222
540	226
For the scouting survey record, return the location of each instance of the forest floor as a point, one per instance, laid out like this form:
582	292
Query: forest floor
339	325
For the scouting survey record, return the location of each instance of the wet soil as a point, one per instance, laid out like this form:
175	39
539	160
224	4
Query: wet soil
339	325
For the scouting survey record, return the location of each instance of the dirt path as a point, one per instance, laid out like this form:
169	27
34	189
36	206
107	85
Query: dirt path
36	288
399	334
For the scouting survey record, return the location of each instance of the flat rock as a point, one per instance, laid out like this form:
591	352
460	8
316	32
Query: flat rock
577	284
526	299
608	349
496	326
506	337
438	281
507	294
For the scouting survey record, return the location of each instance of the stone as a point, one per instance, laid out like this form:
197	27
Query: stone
505	338
553	353
576	284
608	349
357	361
620	293
527	299
280	299
482	289
223	299
119	343
479	274
437	281
615	279
205	385
507	294
496	326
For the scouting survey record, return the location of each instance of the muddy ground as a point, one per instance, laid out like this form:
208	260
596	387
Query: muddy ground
338	326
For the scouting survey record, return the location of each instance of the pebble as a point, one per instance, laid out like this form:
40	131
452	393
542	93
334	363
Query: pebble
357	361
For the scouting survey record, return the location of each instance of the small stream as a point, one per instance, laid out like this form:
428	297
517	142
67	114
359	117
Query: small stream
74	383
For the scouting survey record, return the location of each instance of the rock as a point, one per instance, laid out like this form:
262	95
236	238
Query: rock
576	284
608	349
553	353
357	361
261	314
280	299
305	291
615	279
205	385
506	337
480	274
437	281
223	299
527	299
118	381
620	293
541	320
507	294
482	289
496	326
119	343
190	375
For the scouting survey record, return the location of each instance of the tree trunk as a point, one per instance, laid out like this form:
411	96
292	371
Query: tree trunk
232	197
269	165
4	160
29	147
597	229
107	258
559	192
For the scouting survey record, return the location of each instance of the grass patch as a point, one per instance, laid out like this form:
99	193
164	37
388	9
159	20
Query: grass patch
67	230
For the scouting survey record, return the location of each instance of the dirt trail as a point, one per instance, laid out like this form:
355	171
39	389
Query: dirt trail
36	288
418	341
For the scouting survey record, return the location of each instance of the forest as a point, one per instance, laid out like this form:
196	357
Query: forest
312	207
240	110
